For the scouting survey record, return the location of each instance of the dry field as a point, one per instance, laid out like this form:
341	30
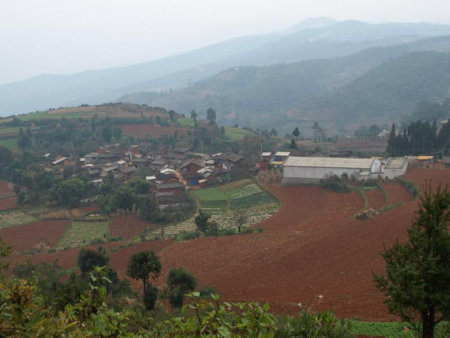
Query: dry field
8	204
128	227
23	237
313	246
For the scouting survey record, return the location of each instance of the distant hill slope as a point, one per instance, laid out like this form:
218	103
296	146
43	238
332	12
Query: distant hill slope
303	42
390	89
326	88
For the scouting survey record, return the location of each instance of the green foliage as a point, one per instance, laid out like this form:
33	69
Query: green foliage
322	324
4	252
417	284
202	221
413	189
88	259
143	266
334	183
180	282
150	298
71	190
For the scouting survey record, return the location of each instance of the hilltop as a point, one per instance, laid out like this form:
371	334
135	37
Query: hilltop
300	43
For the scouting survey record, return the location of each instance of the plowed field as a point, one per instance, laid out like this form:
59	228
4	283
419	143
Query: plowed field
142	130
375	199
128	226
23	237
8	204
313	246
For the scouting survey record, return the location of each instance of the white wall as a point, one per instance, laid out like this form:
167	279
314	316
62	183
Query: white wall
316	172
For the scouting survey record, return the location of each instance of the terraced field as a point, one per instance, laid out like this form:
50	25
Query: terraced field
83	233
11	218
240	197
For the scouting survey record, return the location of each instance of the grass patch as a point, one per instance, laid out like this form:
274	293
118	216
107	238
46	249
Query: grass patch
83	233
236	134
394	330
10	143
391	206
11	218
185	122
211	198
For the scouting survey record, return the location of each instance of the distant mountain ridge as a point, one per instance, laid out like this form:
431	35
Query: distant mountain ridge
345	88
301	42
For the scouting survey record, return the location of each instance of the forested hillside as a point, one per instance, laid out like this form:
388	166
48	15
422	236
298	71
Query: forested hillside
392	88
376	84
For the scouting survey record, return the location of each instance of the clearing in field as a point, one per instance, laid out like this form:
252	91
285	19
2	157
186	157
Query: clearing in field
240	197
14	217
83	233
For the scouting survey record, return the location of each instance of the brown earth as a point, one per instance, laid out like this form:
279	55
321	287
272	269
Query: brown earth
142	130
8	204
376	199
313	247
128	226
23	237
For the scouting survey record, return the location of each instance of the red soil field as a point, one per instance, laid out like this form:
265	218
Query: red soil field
142	130
128	226
376	199
86	209
396	193
8	204
313	246
66	259
23	237
6	189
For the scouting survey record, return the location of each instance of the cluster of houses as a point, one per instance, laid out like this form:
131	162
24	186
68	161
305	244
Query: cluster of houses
169	170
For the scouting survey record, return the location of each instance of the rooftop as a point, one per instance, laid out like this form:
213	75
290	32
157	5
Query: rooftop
329	162
395	163
169	185
282	153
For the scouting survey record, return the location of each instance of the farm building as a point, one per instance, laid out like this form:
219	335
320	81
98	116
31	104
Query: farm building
298	170
395	166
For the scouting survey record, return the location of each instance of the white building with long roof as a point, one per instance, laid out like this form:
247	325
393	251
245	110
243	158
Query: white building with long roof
313	169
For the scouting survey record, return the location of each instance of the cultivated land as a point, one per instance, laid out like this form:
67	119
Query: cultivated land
143	130
313	246
226	202
81	233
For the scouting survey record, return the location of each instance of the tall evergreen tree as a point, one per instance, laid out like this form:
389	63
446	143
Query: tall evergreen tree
417	281
293	144
296	132
391	141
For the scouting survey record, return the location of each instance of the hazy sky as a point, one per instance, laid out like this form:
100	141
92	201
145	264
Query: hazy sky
68	36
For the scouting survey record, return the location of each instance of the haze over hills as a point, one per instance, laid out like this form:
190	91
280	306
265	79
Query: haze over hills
312	39
378	84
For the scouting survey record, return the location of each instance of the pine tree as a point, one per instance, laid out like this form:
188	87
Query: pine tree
417	281
296	132
293	144
391	141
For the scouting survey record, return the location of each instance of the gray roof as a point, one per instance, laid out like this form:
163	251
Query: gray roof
395	163
329	162
169	185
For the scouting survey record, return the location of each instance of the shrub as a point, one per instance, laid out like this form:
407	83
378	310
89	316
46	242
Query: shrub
334	183
150	298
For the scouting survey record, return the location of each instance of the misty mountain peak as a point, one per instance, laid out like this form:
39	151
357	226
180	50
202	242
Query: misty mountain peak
311	23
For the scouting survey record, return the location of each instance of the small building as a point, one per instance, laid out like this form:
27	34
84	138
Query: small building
266	155
264	164
304	170
395	167
166	189
191	167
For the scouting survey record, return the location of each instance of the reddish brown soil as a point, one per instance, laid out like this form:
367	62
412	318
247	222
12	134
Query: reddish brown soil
128	226
23	237
8	204
86	209
375	199
142	130
65	259
6	189
396	193
313	246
